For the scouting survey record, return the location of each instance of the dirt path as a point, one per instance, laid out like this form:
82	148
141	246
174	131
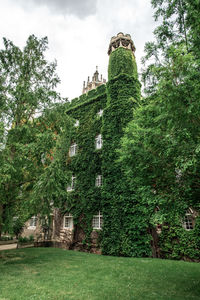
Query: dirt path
7	247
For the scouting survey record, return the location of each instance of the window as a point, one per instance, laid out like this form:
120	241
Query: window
188	222
100	113
76	123
71	187
33	222
68	221
97	221
98	181
98	142
73	150
43	158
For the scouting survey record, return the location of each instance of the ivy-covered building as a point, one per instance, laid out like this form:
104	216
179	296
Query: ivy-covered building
93	218
101	214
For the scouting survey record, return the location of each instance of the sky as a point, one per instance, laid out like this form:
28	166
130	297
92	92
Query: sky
79	32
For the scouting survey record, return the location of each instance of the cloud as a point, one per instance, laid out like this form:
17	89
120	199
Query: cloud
79	33
79	8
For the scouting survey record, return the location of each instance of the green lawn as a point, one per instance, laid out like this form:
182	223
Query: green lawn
48	273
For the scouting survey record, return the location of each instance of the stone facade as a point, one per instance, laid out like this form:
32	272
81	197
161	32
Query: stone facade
59	236
121	40
32	228
96	81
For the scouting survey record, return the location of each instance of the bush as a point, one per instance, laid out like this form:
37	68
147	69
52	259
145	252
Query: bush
26	239
18	225
6	238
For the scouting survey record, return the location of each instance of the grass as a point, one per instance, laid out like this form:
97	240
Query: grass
56	274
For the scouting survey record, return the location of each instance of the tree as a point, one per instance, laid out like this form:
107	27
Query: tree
160	149
28	132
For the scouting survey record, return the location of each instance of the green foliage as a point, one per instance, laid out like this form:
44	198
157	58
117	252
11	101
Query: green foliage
27	88
159	151
18	225
6	238
121	231
87	98
177	243
24	240
27	80
50	187
85	200
122	61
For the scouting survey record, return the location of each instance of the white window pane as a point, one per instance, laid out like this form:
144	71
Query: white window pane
68	221
33	222
98	142
72	186
76	123
100	113
97	221
98	181
73	150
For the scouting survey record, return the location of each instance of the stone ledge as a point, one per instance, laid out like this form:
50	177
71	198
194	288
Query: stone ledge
25	245
2	243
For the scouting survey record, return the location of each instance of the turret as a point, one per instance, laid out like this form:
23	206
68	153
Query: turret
121	40
94	83
122	56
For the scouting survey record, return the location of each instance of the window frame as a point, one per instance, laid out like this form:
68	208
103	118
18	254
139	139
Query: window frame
71	187
33	222
188	222
69	218
98	142
97	220
99	181
73	150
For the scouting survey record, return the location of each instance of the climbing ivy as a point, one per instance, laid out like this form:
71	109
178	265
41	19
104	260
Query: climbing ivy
128	206
124	233
119	235
177	243
85	200
122	61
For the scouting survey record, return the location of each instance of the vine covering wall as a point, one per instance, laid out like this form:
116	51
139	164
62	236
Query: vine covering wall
125	231
85	200
113	198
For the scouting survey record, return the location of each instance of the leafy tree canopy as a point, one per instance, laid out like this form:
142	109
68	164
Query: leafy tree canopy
160	149
30	120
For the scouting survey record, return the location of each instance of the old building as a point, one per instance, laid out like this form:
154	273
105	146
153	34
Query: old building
98	215
80	225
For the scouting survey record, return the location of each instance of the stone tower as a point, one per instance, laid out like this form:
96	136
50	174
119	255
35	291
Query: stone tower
123	91
121	40
121	53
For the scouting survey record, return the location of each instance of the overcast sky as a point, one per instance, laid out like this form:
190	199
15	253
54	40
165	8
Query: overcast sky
79	32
